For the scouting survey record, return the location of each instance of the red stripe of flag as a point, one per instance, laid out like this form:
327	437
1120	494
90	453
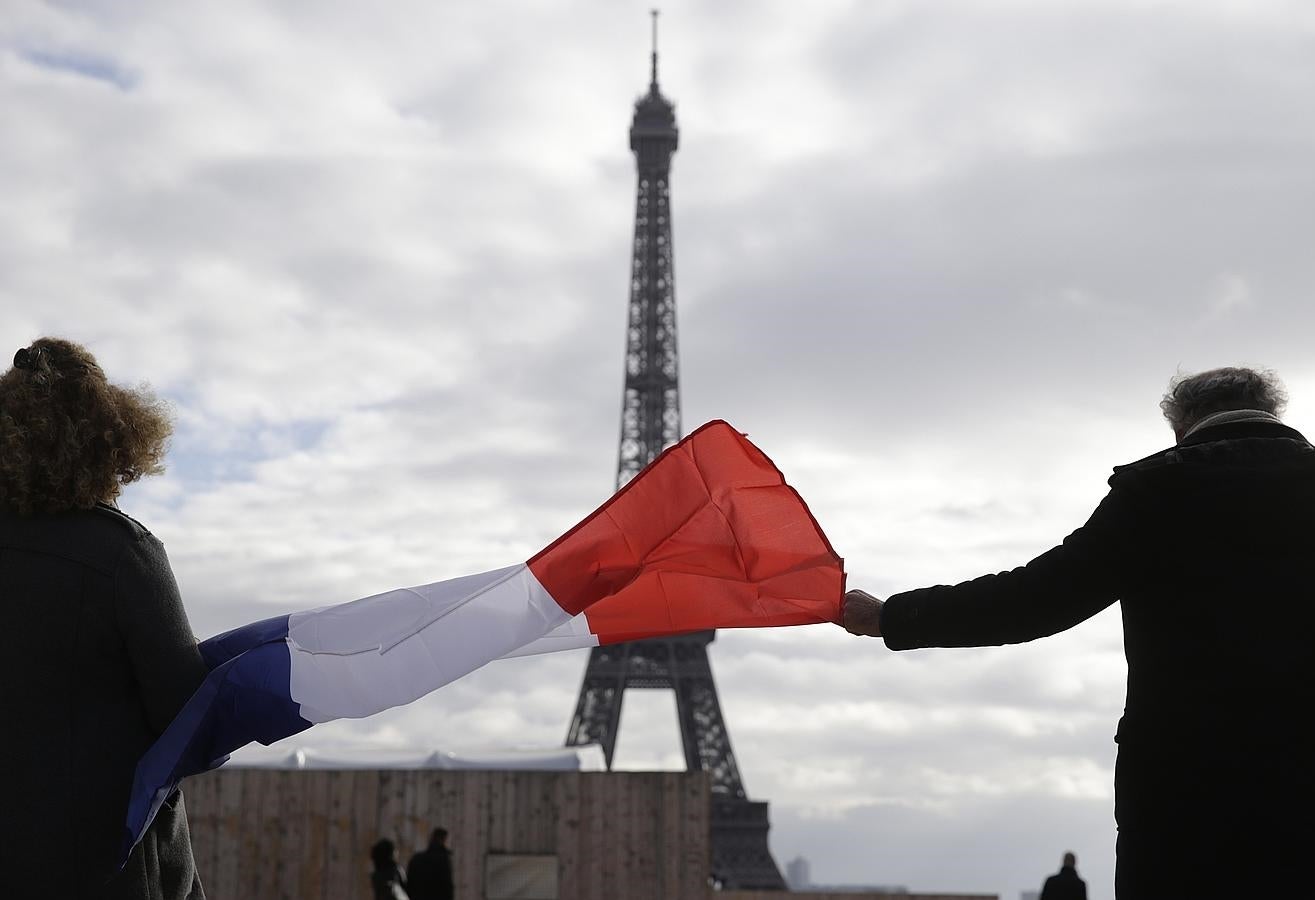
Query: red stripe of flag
708	536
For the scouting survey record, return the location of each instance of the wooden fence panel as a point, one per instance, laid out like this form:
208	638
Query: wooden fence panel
315	838
306	835
566	835
341	860
694	833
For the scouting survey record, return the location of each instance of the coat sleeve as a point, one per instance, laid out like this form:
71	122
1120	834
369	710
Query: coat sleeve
1060	588
161	647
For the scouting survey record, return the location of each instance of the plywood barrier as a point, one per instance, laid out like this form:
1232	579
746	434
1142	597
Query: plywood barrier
273	834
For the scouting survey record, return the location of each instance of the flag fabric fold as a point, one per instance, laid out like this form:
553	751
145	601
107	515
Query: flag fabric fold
707	536
711	538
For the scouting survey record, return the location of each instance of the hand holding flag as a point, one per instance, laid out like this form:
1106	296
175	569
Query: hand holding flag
862	614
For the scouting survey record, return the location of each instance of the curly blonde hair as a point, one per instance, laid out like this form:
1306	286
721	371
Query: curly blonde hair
68	438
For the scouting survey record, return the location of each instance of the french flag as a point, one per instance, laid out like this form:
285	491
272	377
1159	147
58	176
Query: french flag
708	536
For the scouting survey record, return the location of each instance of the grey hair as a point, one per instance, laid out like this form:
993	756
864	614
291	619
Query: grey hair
1191	398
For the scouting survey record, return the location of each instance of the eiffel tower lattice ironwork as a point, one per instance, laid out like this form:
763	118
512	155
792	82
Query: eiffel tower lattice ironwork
650	422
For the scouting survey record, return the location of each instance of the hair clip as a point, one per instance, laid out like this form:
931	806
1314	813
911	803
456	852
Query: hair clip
27	358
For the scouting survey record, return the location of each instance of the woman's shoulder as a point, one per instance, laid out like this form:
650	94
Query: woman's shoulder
120	519
96	537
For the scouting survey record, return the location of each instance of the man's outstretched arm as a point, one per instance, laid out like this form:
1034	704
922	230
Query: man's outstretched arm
1055	591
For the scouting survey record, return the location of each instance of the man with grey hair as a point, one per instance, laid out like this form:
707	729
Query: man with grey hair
1220	397
1210	547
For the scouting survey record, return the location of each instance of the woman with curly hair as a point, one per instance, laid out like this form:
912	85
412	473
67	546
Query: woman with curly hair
96	654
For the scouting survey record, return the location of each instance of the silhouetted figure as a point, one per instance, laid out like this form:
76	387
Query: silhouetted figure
1065	884
1209	546
387	880
429	876
96	654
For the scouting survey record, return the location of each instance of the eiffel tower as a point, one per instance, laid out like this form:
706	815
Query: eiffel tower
650	422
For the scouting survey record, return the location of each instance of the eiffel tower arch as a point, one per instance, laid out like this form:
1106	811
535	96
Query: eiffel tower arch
650	422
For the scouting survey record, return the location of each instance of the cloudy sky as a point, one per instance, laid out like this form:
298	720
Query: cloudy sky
939	259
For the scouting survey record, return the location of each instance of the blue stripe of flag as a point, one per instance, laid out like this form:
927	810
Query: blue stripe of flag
245	698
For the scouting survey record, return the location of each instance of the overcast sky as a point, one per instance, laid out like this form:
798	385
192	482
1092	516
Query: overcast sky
938	259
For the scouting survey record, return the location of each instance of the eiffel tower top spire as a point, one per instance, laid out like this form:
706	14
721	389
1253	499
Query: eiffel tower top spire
653	133
652	81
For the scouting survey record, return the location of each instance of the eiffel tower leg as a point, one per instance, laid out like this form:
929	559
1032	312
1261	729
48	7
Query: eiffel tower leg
741	858
702	728
598	710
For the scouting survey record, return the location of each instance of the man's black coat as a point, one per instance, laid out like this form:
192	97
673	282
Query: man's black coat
1064	885
1210	547
429	876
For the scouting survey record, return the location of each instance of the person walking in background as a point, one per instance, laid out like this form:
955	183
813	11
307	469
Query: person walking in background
386	881
429	875
1065	884
96	653
1210	547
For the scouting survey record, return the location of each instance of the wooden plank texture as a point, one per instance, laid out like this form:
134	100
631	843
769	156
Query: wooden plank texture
306	835
313	864
342	862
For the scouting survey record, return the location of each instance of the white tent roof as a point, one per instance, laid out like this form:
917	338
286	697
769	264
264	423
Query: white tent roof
554	759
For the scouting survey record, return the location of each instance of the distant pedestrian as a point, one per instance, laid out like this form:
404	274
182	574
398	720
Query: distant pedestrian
429	876
387	880
1065	884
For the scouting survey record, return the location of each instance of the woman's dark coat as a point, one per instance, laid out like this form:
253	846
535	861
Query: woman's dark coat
1210	547
96	657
